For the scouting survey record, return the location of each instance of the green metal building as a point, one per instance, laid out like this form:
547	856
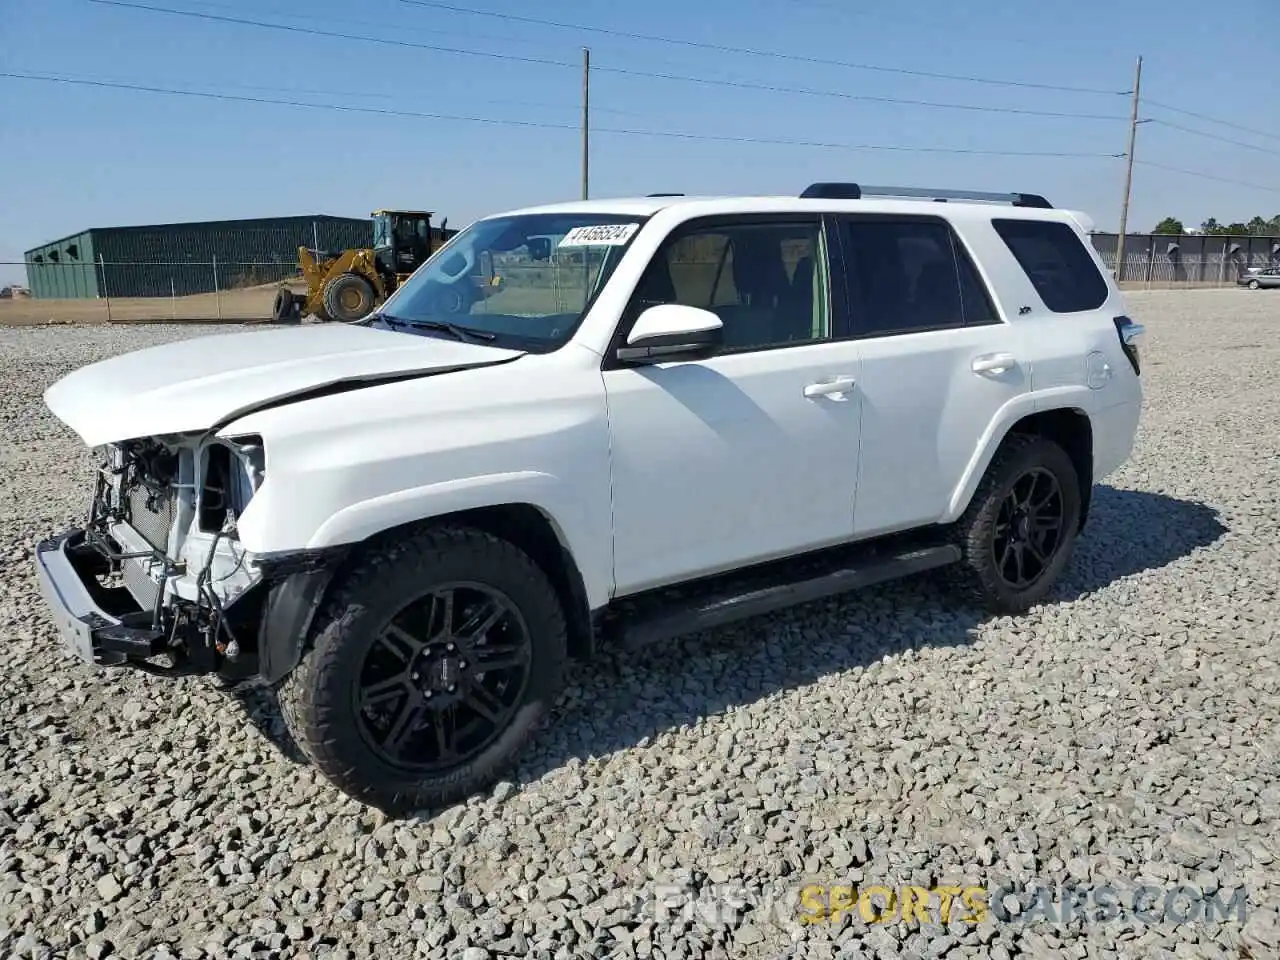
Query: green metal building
177	259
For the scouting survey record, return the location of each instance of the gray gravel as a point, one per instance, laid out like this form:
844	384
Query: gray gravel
1122	735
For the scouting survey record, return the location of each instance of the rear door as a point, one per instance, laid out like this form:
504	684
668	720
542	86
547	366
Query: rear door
938	364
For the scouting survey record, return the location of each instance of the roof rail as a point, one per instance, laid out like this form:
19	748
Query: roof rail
664	194
853	191
832	191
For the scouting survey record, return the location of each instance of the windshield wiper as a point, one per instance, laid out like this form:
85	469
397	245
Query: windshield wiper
455	330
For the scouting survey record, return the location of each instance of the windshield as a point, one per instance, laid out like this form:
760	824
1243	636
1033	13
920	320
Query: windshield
521	281
381	231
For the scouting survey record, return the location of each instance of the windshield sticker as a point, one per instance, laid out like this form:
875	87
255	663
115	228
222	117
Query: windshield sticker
604	235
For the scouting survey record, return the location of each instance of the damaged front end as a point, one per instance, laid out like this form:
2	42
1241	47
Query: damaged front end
157	577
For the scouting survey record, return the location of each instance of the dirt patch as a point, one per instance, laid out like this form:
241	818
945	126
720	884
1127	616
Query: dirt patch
233	306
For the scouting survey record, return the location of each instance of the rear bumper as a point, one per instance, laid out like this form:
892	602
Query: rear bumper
1114	430
66	569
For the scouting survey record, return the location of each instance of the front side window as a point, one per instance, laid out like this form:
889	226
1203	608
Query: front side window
766	281
520	281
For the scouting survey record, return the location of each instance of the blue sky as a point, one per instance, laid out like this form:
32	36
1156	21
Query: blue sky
75	157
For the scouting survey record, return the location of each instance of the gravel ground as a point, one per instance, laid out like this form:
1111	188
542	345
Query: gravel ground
1122	735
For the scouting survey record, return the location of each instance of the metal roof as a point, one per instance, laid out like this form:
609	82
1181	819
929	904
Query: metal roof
198	224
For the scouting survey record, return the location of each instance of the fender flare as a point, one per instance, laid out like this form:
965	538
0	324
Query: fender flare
544	491
301	578
1017	409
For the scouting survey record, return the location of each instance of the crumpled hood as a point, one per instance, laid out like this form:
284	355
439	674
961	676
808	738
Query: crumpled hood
203	382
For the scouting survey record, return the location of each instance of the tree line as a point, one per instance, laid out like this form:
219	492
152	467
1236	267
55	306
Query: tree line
1257	227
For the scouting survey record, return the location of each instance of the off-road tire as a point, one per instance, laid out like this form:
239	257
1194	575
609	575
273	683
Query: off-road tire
286	309
345	285
317	698
978	575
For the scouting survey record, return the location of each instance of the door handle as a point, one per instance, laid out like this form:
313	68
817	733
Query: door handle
825	388
993	363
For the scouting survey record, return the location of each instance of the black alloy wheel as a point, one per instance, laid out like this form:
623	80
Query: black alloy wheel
1028	528
1019	530
436	655
444	678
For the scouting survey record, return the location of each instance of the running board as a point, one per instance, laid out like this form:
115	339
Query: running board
708	608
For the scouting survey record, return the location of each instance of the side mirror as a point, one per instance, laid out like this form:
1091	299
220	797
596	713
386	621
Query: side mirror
539	248
673	331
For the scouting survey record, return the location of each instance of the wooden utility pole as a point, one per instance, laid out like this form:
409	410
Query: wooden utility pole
1128	173
586	122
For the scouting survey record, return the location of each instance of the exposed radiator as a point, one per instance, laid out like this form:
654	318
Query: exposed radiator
142	588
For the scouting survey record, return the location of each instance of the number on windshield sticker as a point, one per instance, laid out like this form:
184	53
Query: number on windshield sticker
603	235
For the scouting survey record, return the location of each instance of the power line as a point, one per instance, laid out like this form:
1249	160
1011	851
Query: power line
1209	119
542	61
548	125
1207	176
372	95
750	51
1213	136
261	10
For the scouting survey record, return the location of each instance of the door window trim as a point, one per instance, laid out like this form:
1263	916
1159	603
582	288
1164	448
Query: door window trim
838	327
854	312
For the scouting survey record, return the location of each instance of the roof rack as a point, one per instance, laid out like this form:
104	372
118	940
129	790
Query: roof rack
853	191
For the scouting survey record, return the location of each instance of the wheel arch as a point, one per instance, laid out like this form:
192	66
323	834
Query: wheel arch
290	609
1068	426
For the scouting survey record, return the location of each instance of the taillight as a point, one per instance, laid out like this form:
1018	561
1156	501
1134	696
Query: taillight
1129	332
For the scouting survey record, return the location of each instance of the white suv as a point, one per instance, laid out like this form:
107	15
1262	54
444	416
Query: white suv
674	413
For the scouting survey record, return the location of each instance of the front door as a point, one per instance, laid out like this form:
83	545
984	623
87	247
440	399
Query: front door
751	454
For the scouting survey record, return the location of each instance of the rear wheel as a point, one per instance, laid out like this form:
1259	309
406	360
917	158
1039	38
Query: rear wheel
1253	284
348	297
1020	528
435	660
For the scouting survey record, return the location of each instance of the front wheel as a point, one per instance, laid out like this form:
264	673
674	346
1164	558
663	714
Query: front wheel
1253	284
436	658
1020	528
348	297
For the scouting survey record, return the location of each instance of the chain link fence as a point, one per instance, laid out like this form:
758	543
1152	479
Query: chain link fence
1142	272
147	291
1162	261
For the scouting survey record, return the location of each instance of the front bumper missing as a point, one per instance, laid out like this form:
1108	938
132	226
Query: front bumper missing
107	626
95	622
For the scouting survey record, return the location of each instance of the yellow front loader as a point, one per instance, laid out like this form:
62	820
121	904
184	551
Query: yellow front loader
351	284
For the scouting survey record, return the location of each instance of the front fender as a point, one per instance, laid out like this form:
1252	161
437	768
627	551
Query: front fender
590	547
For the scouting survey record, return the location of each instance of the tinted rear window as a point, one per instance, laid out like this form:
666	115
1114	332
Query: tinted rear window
1056	262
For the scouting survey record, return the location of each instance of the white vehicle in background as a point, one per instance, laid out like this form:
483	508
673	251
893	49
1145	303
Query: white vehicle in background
676	413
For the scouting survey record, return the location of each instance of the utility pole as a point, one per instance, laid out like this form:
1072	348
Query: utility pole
586	122
1128	174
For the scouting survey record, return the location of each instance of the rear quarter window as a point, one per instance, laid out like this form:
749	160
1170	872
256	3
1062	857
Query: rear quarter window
1056	262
